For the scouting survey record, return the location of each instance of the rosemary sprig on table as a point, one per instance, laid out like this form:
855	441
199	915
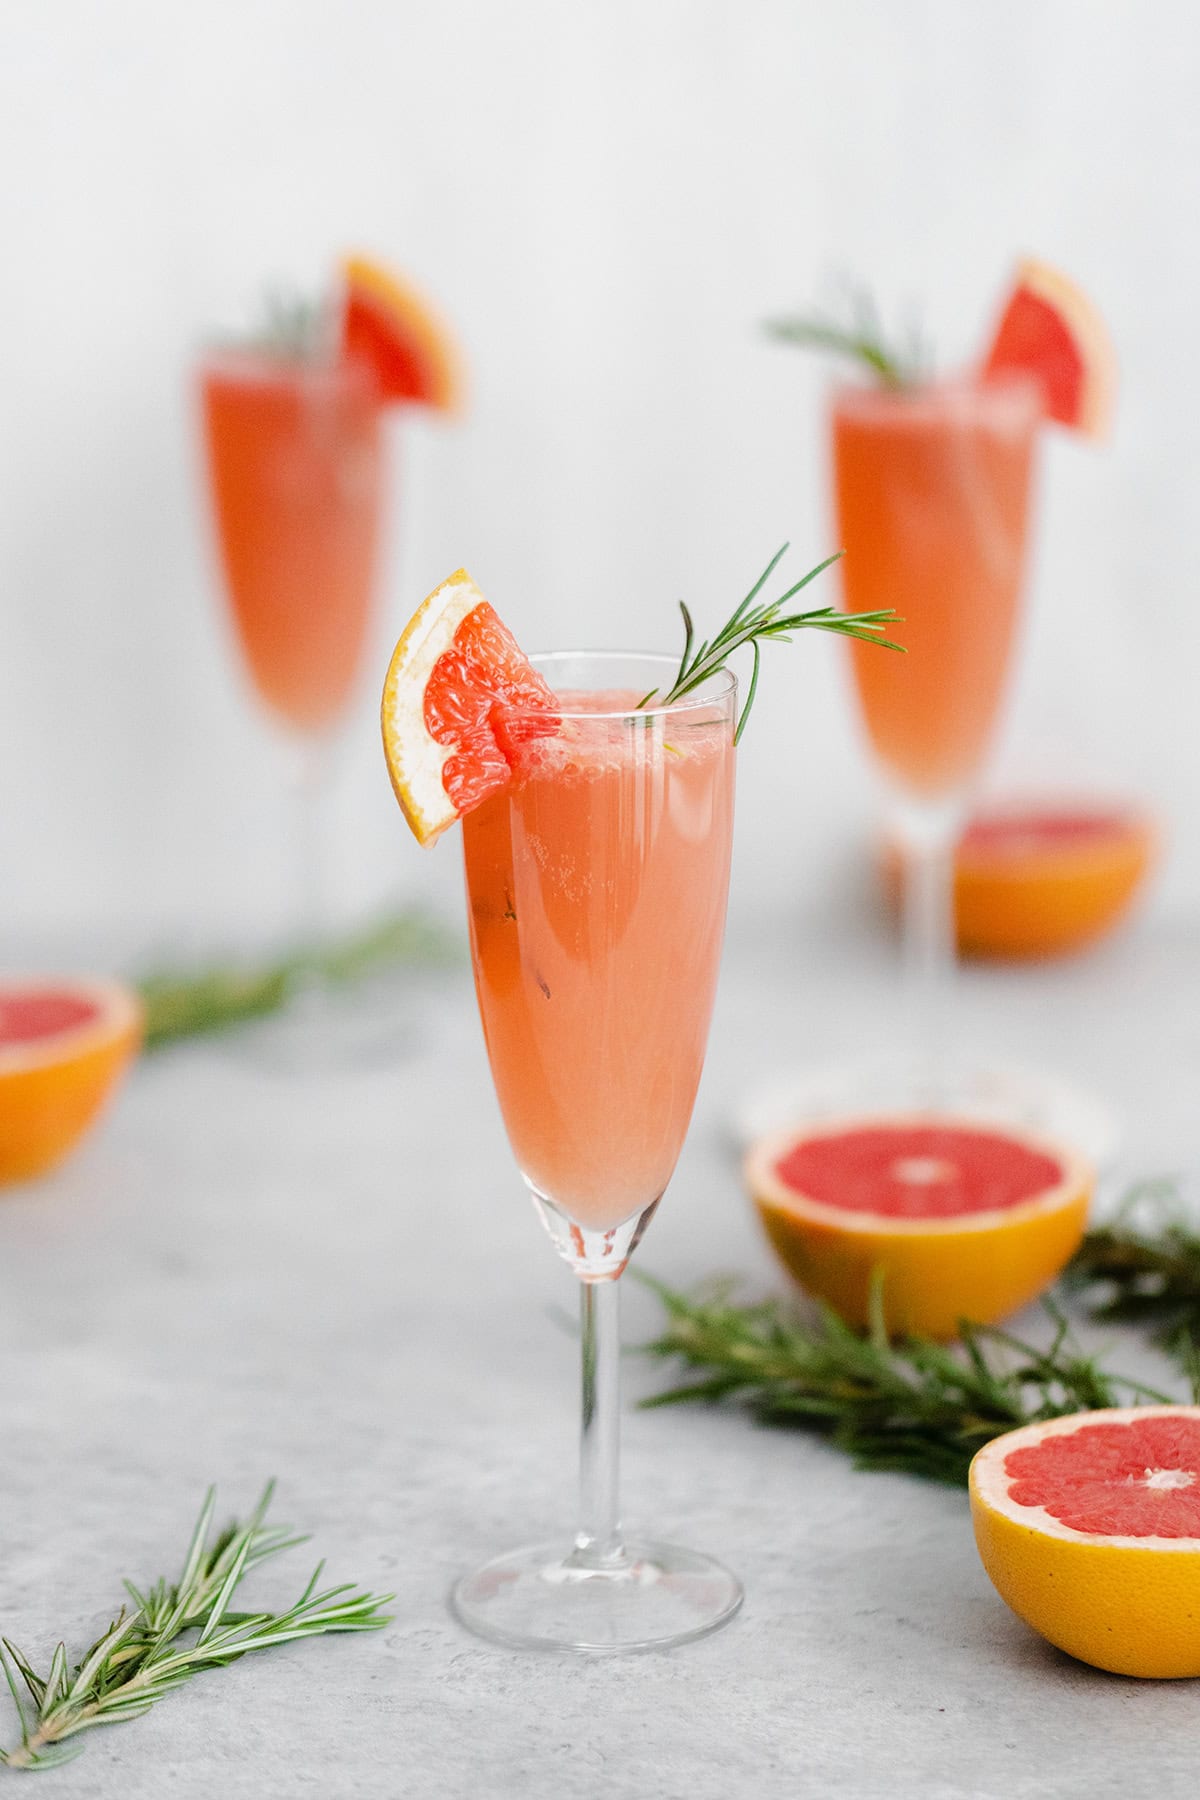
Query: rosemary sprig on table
1144	1269
182	1005
860	337
756	625
174	1630
909	1405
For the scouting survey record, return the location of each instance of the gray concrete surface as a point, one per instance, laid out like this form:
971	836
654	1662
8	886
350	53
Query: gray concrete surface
336	1280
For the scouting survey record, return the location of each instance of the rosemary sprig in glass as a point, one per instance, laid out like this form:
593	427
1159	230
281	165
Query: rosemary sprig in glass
909	1405
860	337
757	625
174	1630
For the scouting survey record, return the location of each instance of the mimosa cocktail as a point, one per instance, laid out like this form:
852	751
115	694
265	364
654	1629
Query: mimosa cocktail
295	458
596	885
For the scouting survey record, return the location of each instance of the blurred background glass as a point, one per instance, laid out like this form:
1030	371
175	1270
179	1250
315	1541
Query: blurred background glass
607	199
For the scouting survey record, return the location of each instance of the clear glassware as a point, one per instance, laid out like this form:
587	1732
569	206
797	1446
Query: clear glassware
597	887
295	458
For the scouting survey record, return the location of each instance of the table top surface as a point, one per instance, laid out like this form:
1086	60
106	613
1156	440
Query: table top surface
332	1278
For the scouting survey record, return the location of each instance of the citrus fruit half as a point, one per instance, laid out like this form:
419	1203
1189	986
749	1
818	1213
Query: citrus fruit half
1041	877
390	325
1050	330
963	1221
64	1045
460	702
1089	1527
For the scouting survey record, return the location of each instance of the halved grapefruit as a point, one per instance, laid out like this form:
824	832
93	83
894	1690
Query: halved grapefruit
64	1044
963	1221
1043	877
390	325
1050	330
460	701
1089	1527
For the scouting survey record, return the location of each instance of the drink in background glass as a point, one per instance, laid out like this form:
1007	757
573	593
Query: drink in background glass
933	487
597	884
295	463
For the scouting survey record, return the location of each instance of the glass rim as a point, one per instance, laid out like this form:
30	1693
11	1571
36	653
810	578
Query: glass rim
998	388
718	688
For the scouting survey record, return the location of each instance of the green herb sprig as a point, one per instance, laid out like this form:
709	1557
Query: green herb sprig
756	625
910	1405
860	337
192	1004
174	1630
1144	1269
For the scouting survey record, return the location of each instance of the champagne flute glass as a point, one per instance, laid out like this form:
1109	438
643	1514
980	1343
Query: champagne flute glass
295	461
933	491
597	885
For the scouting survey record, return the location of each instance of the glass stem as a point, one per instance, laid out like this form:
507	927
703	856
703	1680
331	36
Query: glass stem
598	1540
309	896
927	932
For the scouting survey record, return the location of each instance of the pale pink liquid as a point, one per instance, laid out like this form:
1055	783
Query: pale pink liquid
597	885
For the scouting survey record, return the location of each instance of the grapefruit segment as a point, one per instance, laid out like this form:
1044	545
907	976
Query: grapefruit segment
1050	330
1089	1528
460	703
64	1045
963	1221
388	323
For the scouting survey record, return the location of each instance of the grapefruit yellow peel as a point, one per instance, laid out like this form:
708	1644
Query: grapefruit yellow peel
1127	1604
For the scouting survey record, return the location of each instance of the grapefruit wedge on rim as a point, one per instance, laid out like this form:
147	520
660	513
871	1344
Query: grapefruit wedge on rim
963	1220
64	1045
389	324
1089	1528
460	703
1050	330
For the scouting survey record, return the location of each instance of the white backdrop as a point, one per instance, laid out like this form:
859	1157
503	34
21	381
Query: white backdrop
607	196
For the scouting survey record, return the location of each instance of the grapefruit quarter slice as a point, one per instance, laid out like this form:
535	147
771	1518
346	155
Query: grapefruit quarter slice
389	324
1089	1528
64	1045
1050	330
460	701
964	1221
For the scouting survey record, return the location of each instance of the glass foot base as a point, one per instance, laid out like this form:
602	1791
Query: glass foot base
654	1596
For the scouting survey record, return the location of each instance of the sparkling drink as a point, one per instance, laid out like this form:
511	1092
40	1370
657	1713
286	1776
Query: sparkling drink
597	885
295	459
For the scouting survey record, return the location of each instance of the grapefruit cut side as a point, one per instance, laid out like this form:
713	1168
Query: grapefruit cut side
1089	1527
391	326
460	703
964	1221
64	1045
1051	331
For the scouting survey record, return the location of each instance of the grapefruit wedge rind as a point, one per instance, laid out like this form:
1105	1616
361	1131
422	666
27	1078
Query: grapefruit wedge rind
939	1267
415	759
1050	330
391	325
1089	1529
64	1045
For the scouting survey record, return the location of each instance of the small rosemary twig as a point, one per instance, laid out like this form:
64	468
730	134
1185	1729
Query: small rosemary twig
175	1630
756	625
212	999
909	1405
1144	1269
